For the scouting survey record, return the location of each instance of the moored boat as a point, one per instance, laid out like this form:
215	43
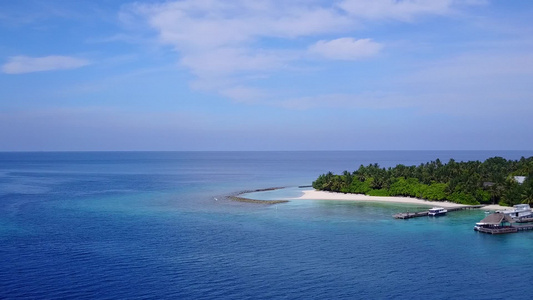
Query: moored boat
437	211
518	211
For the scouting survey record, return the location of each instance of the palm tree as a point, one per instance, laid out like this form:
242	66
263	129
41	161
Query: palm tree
527	191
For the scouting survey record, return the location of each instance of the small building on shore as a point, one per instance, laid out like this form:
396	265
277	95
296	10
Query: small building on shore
520	179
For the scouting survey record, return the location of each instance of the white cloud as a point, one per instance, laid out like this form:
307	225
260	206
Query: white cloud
346	48
25	64
229	41
200	29
200	24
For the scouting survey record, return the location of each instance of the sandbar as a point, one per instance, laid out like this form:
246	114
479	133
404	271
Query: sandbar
323	195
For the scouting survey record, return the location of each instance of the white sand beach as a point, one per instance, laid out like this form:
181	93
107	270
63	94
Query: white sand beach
496	207
322	195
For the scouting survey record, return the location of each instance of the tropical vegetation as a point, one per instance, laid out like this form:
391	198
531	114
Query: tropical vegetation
493	181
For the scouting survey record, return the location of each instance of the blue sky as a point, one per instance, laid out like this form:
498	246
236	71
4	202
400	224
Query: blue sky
266	75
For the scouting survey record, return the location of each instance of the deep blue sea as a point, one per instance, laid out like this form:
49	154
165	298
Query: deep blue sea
156	225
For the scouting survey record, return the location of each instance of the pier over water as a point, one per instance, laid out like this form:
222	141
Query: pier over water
409	215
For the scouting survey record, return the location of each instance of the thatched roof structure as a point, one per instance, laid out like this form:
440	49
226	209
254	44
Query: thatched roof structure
497	219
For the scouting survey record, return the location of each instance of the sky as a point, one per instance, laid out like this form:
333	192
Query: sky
110	75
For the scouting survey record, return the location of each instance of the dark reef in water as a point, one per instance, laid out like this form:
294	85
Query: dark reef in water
237	197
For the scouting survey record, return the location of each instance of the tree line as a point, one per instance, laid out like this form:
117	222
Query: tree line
492	181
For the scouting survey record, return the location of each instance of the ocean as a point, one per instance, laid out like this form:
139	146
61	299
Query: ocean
157	225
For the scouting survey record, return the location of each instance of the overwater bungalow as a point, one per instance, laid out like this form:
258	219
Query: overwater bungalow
496	223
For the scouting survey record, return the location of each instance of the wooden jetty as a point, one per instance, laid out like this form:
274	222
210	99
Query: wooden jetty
497	230
505	229
523	227
409	215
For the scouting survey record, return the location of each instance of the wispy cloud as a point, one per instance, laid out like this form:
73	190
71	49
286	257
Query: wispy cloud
227	61
45	13
26	64
403	10
475	85
346	48
243	94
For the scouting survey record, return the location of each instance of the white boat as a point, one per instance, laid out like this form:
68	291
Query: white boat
437	211
518	211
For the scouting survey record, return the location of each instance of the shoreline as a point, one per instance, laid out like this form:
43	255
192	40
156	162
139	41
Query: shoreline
333	196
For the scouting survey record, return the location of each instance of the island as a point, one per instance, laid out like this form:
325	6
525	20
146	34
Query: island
493	181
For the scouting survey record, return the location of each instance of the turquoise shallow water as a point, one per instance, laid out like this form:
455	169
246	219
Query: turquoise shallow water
156	225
